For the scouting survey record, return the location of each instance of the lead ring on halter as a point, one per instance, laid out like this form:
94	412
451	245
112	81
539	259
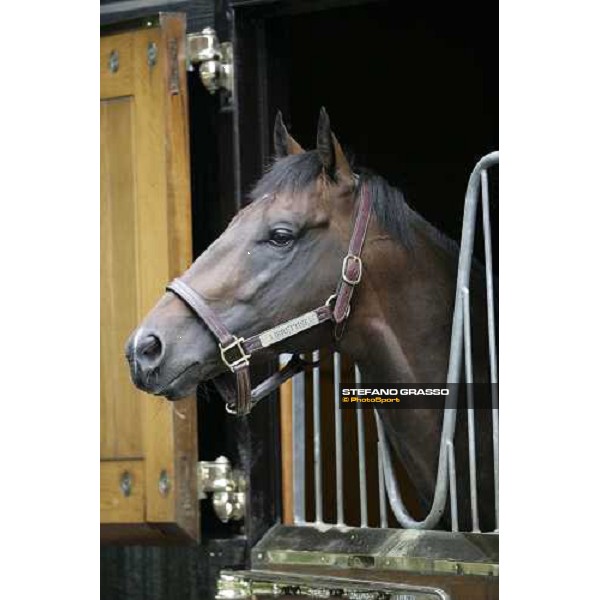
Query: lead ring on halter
241	395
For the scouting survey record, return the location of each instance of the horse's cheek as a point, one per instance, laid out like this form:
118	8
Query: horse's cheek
251	287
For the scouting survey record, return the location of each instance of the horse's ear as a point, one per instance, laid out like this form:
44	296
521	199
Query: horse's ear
284	143
330	151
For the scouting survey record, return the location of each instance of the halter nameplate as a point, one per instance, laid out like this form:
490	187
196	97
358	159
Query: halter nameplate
289	329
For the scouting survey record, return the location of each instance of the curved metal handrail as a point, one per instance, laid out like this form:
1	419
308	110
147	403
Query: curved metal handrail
454	362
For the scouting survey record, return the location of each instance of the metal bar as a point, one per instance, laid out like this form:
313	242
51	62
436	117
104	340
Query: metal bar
452	475
470	408
382	506
339	474
464	262
299	432
317	438
362	465
454	368
391	485
242	584
491	314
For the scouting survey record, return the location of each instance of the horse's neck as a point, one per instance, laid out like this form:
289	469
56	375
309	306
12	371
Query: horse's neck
403	312
400	332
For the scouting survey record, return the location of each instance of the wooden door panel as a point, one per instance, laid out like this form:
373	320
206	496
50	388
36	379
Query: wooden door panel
120	401
145	242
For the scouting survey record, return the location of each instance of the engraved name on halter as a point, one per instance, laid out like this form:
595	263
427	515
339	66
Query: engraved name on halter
289	328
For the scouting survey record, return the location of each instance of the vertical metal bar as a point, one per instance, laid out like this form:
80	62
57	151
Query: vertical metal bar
470	407
299	431
491	314
452	477
382	506
339	463
317	439
362	466
464	262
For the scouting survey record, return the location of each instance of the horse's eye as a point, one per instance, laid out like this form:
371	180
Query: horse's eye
281	237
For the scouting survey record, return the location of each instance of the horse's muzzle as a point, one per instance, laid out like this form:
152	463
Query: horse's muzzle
145	351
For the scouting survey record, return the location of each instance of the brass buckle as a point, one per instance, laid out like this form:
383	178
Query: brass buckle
243	358
347	258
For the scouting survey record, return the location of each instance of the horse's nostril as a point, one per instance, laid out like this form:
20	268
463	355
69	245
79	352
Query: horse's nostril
149	350
150	346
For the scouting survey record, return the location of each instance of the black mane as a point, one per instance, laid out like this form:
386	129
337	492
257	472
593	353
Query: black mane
294	173
298	172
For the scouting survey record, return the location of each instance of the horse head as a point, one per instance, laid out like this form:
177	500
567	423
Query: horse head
279	257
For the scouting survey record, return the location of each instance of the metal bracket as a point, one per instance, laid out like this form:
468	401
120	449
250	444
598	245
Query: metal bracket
214	59
228	488
126	483
113	61
173	50
247	585
152	54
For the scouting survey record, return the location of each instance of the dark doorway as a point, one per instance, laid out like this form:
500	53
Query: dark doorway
411	89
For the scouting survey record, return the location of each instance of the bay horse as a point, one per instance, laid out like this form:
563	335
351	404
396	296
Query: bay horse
281	256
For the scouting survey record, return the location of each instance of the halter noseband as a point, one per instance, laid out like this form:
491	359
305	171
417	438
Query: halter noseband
237	351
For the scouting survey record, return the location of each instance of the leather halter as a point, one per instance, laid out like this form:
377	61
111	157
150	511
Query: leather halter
237	351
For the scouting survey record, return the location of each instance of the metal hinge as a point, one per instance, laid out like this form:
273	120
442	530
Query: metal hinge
227	486
214	59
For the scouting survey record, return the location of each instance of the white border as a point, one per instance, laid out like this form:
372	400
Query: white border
49	243
549	303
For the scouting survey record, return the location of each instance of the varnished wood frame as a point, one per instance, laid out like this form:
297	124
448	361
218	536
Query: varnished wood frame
163	247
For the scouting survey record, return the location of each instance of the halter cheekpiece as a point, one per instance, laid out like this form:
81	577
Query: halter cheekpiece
237	351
